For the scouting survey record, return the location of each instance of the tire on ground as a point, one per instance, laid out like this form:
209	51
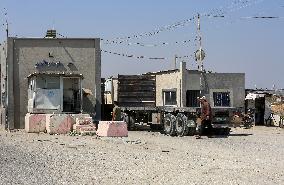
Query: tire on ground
169	124
181	125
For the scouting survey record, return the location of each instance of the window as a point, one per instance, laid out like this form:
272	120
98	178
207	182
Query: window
170	97
53	92
48	82
191	98
221	99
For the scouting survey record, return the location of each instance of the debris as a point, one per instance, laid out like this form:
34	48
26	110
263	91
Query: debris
133	142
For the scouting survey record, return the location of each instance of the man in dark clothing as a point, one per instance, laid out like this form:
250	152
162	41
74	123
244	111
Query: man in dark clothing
206	117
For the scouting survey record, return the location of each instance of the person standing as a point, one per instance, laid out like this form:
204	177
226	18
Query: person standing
206	117
116	112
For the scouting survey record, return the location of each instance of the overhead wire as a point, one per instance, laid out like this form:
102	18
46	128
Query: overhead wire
141	56
219	12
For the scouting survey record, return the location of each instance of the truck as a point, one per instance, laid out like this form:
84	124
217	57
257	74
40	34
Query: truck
136	95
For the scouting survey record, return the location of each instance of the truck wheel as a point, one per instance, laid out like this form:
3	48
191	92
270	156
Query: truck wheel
181	125
169	124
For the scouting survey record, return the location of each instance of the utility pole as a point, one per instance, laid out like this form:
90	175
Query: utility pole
200	54
7	24
7	125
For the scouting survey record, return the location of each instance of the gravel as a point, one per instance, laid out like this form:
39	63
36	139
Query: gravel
252	156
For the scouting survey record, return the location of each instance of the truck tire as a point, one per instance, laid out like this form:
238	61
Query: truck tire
181	125
169	124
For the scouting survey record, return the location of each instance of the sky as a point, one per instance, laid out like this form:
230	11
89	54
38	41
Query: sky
235	43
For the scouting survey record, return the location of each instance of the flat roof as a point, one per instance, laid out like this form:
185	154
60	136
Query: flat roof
57	38
55	74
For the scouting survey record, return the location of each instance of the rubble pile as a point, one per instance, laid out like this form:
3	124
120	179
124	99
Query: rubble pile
84	126
278	108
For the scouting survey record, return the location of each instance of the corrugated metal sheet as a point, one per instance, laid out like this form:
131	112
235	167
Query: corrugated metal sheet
137	90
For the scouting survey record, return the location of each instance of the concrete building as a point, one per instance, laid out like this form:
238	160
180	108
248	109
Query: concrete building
181	87
35	69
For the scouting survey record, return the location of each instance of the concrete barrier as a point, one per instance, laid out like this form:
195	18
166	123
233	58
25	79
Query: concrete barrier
35	123
84	121
59	123
112	129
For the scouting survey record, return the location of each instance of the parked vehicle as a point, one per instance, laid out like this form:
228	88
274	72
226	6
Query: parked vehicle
243	120
136	96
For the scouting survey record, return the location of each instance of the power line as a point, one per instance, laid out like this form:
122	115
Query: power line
60	35
141	56
155	45
262	17
219	12
148	34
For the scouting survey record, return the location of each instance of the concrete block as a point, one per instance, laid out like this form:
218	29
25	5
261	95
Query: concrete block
84	120
59	123
35	123
83	128
112	129
79	116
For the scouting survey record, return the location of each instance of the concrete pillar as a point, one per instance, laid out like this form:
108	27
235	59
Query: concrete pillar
10	83
98	79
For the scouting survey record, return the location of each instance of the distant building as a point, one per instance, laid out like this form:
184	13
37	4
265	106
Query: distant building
49	75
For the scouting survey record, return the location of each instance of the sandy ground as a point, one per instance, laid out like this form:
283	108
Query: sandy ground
254	156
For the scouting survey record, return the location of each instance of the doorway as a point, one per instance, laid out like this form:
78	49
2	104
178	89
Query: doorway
71	94
259	110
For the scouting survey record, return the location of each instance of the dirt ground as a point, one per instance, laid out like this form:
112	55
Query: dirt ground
252	156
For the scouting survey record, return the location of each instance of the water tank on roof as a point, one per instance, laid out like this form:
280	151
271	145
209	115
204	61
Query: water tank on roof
108	85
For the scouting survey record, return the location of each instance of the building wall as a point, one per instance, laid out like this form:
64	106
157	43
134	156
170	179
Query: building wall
166	81
184	80
23	54
231	82
191	82
115	89
3	48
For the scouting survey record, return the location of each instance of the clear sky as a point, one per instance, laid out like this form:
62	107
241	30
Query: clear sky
232	44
